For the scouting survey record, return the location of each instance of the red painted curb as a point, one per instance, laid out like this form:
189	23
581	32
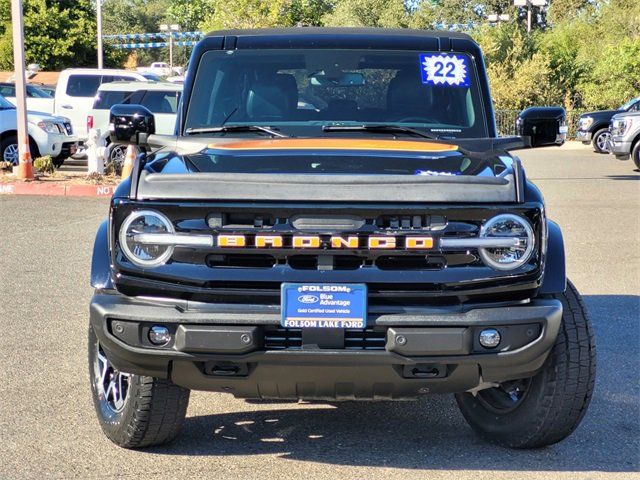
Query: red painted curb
56	189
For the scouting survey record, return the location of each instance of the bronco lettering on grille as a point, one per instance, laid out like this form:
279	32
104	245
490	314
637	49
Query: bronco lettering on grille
374	242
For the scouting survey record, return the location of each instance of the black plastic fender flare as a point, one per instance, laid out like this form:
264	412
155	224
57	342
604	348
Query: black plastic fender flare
100	260
555	274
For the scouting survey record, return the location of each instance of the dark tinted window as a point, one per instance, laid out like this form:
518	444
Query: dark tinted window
107	99
83	85
161	102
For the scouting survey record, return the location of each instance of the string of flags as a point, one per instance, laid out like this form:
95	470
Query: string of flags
184	39
131	46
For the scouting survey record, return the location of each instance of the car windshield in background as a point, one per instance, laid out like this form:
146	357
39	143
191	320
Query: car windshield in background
298	90
36	92
5	104
631	103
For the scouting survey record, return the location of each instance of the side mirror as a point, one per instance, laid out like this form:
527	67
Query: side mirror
544	126
131	124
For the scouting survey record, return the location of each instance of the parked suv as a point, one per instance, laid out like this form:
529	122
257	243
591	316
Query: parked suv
161	99
76	89
379	243
593	127
48	135
625	136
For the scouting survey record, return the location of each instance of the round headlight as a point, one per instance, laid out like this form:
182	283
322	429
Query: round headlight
507	226
145	254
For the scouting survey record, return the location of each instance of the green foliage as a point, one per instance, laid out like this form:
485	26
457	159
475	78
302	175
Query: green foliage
589	59
57	33
44	164
369	13
248	14
271	13
189	14
561	10
582	53
430	14
615	78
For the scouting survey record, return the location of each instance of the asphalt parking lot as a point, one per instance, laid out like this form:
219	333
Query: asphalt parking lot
48	427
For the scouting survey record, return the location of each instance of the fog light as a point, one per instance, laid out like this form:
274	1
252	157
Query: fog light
489	338
159	335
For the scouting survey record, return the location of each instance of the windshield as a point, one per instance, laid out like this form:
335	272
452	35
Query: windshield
5	104
630	103
300	91
35	92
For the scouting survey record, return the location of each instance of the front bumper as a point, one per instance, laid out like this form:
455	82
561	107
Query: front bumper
620	148
225	348
583	136
53	144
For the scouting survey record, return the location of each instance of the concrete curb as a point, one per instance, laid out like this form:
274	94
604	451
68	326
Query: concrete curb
56	189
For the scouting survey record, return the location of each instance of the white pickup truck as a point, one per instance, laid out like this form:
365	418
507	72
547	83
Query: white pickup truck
161	69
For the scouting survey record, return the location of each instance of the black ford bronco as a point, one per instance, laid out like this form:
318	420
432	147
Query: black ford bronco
336	218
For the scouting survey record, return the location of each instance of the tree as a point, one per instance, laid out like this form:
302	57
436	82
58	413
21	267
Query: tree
189	13
134	16
271	13
615	78
560	10
432	14
369	13
56	33
248	14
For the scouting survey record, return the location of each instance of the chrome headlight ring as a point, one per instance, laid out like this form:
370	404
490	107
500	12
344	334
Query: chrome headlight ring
518	254
134	251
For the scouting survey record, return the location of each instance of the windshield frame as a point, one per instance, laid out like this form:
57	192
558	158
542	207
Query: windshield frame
483	125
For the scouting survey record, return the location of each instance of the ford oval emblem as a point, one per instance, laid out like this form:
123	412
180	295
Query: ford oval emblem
307	299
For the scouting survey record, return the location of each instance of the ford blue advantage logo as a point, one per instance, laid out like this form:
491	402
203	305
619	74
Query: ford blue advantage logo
308	299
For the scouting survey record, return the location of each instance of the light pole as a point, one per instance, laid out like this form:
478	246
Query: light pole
99	25
529	4
25	167
170	28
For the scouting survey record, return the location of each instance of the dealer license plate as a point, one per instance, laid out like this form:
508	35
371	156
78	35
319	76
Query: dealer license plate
321	305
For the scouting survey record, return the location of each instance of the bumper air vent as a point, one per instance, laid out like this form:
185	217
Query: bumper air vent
280	338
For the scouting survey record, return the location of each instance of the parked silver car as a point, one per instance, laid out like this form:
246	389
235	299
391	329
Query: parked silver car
625	136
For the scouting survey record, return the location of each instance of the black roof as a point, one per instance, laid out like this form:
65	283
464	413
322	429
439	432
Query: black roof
356	38
360	31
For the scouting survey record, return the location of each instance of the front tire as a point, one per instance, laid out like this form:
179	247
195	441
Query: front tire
601	141
134	411
635	154
9	150
542	410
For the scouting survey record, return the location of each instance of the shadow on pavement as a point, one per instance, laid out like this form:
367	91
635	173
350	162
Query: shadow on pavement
625	177
431	433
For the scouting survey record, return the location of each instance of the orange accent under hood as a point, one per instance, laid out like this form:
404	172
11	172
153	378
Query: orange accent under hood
334	144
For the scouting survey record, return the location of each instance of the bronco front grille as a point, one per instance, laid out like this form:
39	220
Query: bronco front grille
280	338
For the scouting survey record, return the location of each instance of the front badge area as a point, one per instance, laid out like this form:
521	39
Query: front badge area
324	305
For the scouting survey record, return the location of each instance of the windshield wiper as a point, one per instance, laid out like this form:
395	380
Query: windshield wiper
235	128
378	128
